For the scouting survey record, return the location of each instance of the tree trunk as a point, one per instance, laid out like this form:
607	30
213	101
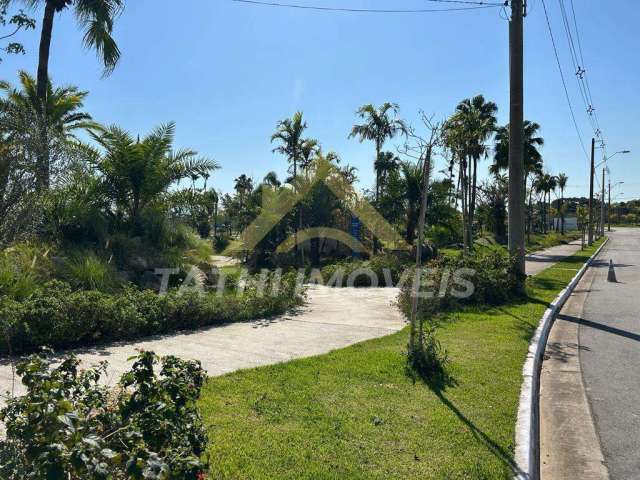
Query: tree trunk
43	174
562	213
465	229
416	330
378	149
472	208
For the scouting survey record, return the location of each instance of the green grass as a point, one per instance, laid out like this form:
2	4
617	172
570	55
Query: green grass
354	413
536	242
540	241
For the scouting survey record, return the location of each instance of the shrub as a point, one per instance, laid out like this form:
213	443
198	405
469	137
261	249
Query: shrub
492	274
22	268
57	316
68	426
84	270
387	269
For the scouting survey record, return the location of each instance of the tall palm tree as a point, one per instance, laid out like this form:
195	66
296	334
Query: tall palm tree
380	124
532	158
563	179
243	186
289	134
95	18
478	118
532	143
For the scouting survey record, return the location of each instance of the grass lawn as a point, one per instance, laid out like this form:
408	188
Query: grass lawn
535	243
354	413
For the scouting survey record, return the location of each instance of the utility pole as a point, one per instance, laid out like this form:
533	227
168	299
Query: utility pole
516	135
604	171
609	209
593	173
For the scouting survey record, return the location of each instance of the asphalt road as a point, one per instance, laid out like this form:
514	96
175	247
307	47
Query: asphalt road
609	338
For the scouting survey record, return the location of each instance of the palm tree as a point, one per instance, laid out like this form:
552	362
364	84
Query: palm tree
95	18
136	172
63	105
562	185
478	118
309	149
532	157
386	164
23	123
271	179
289	133
380	124
532	143
412	174
243	185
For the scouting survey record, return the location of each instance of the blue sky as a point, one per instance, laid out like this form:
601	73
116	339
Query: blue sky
227	72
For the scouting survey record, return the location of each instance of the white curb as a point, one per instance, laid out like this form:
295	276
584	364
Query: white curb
527	451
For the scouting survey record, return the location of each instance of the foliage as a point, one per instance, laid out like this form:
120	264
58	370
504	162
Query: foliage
136	172
86	271
16	22
23	267
57	316
387	269
69	426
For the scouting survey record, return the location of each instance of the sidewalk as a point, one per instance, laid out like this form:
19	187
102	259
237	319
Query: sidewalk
539	261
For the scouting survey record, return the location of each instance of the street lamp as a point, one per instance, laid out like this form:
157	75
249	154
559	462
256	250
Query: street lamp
609	209
602	205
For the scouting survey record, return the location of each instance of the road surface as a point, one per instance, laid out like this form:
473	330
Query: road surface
590	403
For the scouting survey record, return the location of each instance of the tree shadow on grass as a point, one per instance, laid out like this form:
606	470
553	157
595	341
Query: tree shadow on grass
438	384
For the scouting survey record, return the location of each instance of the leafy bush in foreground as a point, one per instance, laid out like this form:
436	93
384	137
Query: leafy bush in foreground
57	316
69	427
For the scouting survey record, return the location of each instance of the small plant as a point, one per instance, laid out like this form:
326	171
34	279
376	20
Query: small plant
427	358
70	427
84	270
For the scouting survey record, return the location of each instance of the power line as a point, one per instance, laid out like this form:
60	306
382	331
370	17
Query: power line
476	6
564	83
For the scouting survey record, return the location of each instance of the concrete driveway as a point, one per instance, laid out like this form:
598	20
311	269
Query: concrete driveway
332	318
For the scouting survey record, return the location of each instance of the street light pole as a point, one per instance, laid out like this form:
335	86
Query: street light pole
604	171
593	173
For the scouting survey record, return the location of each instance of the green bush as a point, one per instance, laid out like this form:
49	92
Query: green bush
68	426
387	268
58	317
491	274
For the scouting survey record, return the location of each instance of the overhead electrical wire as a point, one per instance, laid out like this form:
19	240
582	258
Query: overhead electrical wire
564	83
472	6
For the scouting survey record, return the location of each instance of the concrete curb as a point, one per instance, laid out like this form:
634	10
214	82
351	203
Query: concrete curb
527	450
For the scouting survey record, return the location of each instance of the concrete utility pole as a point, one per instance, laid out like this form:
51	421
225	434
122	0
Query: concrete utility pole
609	208
516	135
593	172
604	171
